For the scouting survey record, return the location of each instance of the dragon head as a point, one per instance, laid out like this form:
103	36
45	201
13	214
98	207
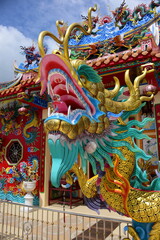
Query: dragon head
81	110
75	115
78	121
68	86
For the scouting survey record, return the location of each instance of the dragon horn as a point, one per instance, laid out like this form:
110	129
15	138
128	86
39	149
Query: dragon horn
61	34
112	93
134	100
65	38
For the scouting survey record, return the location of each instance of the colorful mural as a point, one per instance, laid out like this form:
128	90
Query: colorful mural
20	154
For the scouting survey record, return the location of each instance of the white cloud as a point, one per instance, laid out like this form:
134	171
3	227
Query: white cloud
52	45
10	41
10	52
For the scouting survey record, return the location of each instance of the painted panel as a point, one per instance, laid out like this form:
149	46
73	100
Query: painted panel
26	128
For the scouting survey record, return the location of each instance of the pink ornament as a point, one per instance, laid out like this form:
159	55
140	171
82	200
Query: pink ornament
150	89
23	111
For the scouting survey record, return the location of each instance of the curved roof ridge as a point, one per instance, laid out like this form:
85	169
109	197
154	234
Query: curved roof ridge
4	86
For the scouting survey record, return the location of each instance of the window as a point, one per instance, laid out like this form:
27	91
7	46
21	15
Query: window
14	152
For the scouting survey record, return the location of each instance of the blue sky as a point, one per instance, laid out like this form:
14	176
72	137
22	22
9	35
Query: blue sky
21	22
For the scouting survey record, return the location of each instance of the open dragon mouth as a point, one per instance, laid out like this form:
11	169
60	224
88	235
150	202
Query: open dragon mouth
69	101
64	94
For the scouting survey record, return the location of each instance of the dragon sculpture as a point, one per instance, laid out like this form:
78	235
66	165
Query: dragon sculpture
123	14
30	55
88	122
141	10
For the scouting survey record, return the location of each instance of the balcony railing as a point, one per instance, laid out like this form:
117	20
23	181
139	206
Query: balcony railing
21	222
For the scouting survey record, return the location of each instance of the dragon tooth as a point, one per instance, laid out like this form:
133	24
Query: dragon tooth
69	110
48	89
67	87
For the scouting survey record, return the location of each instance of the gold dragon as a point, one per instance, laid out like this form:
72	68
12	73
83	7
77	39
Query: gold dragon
89	121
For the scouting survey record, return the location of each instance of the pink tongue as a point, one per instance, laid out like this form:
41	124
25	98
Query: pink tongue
60	107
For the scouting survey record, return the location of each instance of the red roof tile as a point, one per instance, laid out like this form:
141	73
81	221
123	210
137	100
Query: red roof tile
128	56
18	88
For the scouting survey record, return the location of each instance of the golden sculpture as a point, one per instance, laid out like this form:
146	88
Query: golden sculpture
80	125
